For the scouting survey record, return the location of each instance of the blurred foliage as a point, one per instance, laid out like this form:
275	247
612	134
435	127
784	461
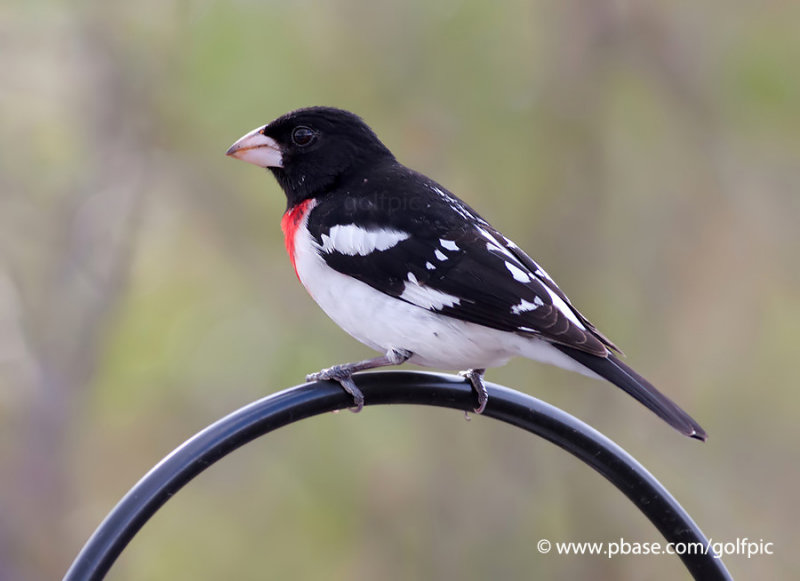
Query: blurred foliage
647	153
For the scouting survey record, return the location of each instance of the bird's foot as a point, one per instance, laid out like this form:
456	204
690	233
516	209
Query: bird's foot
343	375
475	377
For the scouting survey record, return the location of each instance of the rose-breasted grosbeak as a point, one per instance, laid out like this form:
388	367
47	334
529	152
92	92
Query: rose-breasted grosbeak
410	270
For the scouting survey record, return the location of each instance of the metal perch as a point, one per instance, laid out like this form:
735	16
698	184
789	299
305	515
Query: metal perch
390	387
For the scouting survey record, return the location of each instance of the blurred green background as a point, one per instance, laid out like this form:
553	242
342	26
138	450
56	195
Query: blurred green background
646	153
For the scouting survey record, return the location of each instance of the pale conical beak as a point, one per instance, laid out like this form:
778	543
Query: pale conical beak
258	149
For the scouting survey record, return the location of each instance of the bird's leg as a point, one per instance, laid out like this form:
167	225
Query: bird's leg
343	374
475	377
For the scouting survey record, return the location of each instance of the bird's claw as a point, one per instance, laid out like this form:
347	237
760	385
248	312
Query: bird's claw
475	378
344	377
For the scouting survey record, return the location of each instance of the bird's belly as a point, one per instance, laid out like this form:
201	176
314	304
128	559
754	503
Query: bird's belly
382	322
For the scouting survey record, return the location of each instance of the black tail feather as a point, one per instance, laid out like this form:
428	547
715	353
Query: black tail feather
615	371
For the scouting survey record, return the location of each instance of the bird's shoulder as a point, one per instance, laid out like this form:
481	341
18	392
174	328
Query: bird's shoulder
393	196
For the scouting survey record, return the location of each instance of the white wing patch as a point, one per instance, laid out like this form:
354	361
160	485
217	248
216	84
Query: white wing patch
456	205
494	245
524	306
425	297
440	255
518	273
540	272
448	244
353	240
564	308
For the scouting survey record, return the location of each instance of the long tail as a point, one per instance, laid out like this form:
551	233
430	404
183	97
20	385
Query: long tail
615	371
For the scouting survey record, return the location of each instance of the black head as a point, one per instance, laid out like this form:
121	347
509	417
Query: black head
310	150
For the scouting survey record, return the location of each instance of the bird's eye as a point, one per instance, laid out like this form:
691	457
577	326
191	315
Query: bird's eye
303	136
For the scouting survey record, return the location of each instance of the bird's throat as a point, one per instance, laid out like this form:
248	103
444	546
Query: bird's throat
290	223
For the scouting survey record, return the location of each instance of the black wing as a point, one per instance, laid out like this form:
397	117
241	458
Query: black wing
452	262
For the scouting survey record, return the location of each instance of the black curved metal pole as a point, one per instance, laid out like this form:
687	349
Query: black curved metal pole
390	387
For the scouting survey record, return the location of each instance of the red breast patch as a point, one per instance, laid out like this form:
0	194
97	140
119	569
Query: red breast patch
290	222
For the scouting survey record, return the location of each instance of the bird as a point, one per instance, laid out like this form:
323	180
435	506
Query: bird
412	271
